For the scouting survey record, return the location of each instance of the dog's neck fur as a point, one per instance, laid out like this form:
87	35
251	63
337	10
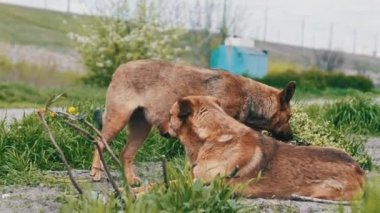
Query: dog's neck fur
228	130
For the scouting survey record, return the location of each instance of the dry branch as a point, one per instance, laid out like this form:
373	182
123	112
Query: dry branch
166	182
317	200
101	139
88	136
88	124
41	116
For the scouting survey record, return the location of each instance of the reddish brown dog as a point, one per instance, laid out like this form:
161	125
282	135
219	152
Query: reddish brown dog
216	144
142	92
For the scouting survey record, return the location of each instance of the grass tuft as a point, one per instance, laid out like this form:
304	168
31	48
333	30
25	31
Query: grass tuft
357	114
183	195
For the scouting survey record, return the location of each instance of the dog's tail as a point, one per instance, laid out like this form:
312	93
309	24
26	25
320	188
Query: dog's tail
98	118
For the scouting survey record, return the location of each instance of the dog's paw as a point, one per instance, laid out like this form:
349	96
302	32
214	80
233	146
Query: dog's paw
134	181
96	174
92	172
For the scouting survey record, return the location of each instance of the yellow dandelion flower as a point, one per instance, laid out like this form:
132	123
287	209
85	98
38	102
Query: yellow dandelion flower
52	114
71	110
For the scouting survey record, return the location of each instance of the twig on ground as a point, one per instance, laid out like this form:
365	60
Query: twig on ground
317	200
93	140
99	134
114	186
166	182
41	116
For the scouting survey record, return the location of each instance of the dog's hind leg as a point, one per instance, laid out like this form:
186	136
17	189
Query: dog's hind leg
139	129
115	119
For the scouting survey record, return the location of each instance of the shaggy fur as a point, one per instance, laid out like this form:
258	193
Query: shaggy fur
216	144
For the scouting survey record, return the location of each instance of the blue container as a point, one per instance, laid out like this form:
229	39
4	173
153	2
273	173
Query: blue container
240	60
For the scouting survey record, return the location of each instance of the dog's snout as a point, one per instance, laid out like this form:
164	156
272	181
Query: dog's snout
165	134
283	136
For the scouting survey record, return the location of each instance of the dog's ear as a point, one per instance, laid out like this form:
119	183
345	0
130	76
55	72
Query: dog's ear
287	93
184	108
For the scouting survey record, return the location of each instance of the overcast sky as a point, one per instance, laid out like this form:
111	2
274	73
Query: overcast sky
341	18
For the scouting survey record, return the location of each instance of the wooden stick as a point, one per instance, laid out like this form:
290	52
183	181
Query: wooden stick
102	140
166	182
70	117
317	200
41	114
92	139
114	186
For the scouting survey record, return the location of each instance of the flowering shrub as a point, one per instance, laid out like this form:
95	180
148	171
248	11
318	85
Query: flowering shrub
108	42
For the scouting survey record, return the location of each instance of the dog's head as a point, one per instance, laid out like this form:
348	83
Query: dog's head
272	113
194	116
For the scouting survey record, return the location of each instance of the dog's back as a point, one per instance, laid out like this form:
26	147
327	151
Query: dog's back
321	172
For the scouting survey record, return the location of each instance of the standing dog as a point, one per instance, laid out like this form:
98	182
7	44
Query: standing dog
142	92
217	144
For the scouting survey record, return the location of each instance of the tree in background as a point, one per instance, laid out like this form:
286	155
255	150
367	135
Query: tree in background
329	60
162	29
108	42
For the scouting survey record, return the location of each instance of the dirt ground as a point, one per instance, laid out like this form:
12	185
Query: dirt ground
46	199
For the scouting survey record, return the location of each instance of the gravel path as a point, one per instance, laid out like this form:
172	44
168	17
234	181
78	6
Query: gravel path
11	114
16	114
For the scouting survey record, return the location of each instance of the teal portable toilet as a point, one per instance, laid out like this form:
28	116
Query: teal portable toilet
240	60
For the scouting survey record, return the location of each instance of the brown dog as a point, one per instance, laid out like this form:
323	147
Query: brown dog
142	92
216	144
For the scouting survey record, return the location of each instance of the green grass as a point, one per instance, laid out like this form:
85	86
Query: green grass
317	80
23	85
183	195
24	96
332	94
24	146
22	25
22	72
358	114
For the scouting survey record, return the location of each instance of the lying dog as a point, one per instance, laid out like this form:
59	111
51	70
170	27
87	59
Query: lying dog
216	144
142	92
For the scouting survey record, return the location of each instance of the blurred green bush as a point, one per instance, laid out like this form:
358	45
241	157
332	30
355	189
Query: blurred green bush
357	114
318	80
